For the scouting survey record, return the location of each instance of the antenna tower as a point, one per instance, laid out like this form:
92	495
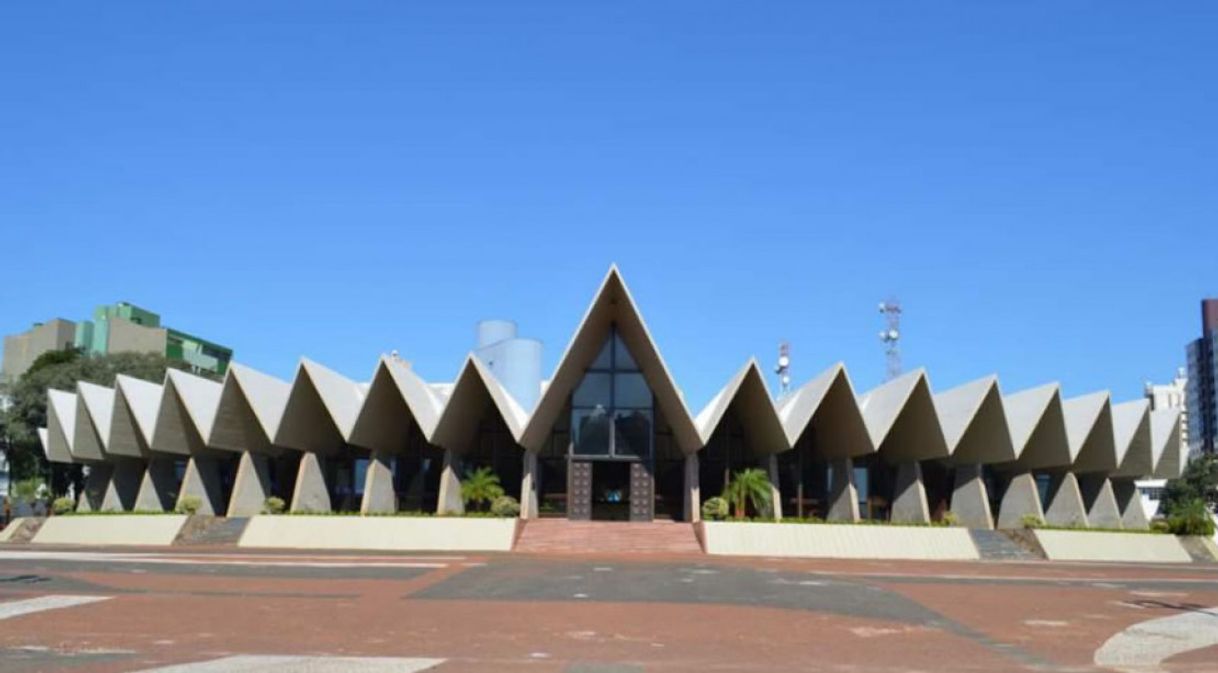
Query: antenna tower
891	336
783	369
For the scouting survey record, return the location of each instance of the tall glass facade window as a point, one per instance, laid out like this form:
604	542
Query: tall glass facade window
611	408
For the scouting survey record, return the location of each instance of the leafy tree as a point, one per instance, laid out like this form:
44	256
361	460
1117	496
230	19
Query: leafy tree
1199	482
749	487
481	487
61	370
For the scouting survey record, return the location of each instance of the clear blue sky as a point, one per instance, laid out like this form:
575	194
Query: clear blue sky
1036	181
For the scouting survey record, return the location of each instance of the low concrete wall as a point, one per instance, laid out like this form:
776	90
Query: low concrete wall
839	541
1069	545
385	533
121	529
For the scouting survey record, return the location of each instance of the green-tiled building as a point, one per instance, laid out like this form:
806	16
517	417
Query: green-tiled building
120	327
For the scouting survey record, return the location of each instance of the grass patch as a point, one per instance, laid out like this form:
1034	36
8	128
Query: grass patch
813	521
138	512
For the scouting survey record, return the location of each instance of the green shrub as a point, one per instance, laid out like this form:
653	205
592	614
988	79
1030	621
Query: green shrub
505	506
274	505
1160	526
749	488
1032	521
1192	519
188	504
949	519
480	487
715	509
64	505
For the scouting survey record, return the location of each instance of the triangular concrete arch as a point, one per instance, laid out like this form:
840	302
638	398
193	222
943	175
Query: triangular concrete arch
134	416
1038	427
825	412
61	425
1165	438
473	388
974	423
1090	431
320	410
396	399
902	420
746	392
143	399
1131	428
185	414
94	409
249	410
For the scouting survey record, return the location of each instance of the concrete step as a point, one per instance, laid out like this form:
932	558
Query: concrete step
995	545
560	536
1201	549
212	531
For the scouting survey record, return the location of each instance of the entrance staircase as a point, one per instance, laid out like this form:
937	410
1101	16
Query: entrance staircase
561	536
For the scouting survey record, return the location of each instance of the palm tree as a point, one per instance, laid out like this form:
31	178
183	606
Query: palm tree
749	487
481	487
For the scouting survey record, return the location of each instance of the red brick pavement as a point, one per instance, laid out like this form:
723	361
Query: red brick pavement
1007	617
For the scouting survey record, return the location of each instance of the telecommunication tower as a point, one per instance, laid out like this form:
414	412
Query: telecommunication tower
891	336
783	369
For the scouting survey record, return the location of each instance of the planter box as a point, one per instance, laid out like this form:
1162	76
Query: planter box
839	541
111	529
381	533
1069	545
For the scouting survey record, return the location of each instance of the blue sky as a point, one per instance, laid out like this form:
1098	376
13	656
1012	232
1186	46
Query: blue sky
1036	181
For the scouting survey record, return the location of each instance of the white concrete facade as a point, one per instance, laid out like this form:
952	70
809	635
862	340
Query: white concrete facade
1087	444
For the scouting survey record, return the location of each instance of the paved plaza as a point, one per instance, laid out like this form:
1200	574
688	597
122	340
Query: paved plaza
206	610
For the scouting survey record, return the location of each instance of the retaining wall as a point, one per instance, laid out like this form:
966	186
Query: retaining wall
111	529
1069	545
383	533
839	541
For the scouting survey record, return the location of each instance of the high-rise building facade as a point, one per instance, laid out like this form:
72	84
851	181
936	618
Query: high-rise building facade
114	328
1203	381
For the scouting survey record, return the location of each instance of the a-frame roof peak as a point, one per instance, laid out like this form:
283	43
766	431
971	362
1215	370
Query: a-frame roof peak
883	404
746	388
143	399
200	396
267	395
957	407
1131	429
61	425
1089	431
459	419
902	420
1026	408
798	407
612	306
99	403
1169	455
342	396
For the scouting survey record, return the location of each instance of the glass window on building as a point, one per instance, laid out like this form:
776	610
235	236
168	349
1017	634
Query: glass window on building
612	413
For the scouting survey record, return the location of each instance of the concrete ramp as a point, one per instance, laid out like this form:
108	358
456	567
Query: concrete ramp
1069	545
117	529
20	529
382	533
840	541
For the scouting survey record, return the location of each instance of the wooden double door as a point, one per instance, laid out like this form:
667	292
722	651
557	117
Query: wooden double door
610	490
